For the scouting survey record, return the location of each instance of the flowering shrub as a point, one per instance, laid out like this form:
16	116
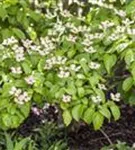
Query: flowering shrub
79	55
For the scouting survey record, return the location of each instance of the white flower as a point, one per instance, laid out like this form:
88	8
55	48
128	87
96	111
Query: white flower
66	98
52	32
71	38
50	15
22	98
127	22
55	61
106	24
18	102
19	57
122	13
65	13
46	106
18	92
69	25
102	87
80	11
94	65
87	42
133	145
16	70
96	99
27	43
74	67
30	80
18	49
26	97
90	50
115	97
9	41
13	90
48	66
63	74
120	29
113	37
36	111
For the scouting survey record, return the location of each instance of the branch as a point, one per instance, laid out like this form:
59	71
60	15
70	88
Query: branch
106	136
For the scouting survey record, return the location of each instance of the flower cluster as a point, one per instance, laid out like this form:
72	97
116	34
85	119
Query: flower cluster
20	97
55	61
19	52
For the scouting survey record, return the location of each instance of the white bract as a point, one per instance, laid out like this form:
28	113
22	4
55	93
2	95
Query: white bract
30	80
102	87
96	99
66	98
94	65
115	97
16	70
90	50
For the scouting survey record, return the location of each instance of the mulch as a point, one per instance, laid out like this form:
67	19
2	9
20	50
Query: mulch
83	137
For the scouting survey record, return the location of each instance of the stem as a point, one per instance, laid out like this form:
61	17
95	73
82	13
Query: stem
106	136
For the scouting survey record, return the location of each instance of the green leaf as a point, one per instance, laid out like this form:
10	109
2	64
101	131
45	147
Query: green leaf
109	61
18	33
81	92
20	84
71	89
131	99
41	65
98	120
3	13
130	8
115	111
25	109
35	16
7	120
26	67
133	70
127	84
22	144
88	115
101	94
71	53
11	2
83	63
9	143
77	111
105	112
6	33
67	117
129	57
94	80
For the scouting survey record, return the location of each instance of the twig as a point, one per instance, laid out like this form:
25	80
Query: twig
106	136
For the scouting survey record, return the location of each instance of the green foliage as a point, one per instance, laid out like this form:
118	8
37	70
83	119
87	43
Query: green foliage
50	136
64	54
119	146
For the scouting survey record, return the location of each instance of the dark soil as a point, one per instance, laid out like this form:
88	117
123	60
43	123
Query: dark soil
83	137
123	130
